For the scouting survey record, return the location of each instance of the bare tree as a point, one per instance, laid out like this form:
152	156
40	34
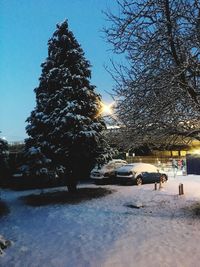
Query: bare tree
159	88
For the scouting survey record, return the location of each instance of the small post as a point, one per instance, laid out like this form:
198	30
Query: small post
155	186
160	185
180	189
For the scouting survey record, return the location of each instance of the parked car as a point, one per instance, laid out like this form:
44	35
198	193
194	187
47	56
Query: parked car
106	174
139	173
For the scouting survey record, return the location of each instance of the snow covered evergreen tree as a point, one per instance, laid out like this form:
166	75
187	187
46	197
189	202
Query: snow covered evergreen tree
66	128
3	159
3	147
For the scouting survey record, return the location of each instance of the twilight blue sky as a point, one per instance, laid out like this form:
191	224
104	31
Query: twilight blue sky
25	27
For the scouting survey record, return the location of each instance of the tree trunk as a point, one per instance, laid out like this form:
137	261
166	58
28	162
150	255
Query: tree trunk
72	184
72	188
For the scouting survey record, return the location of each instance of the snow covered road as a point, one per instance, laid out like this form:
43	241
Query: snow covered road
106	232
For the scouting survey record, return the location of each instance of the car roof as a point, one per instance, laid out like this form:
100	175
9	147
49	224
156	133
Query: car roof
116	160
139	166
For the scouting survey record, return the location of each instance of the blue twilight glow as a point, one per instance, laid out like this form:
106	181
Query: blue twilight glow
25	27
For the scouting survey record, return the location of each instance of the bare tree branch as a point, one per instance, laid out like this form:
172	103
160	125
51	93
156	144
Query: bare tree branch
159	88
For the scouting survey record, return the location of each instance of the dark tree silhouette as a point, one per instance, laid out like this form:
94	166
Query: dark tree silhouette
66	127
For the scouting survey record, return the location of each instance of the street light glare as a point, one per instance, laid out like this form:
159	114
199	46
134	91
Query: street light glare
107	108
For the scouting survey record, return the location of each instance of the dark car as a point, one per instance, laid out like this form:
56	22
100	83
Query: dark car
139	173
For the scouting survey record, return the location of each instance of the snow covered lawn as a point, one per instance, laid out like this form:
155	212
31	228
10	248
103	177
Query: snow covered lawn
105	231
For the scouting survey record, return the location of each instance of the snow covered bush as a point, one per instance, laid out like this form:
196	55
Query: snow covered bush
66	128
3	244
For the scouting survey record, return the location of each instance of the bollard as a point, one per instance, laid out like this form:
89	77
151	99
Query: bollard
182	192
155	186
180	189
160	185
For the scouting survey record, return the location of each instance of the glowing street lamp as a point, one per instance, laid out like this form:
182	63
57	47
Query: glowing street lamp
107	109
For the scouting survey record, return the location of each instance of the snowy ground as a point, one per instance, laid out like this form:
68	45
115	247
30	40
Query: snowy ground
105	232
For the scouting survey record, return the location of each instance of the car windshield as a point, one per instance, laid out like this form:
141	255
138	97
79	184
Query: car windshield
109	166
129	165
